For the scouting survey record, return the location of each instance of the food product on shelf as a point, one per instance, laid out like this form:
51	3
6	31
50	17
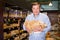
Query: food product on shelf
14	24
50	39
23	34
6	36
21	31
4	26
14	32
17	38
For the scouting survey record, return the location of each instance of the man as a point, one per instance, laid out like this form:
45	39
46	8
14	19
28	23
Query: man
36	15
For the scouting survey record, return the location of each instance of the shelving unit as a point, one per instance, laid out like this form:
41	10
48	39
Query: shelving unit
13	22
54	33
11	28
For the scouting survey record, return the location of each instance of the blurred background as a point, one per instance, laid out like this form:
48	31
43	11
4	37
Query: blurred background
14	12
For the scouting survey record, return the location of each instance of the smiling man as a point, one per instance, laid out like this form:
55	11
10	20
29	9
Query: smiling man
38	33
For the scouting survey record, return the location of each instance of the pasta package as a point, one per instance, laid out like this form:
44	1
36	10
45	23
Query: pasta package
34	23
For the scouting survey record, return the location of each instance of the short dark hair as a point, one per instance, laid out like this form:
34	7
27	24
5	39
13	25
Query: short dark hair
35	3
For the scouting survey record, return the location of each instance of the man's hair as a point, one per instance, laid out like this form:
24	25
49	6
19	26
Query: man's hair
35	3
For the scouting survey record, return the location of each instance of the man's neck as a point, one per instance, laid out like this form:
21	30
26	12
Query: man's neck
36	15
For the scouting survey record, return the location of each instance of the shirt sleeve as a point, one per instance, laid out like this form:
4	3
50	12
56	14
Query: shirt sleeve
47	21
23	24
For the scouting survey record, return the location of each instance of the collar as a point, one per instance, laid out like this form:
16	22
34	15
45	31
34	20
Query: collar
37	15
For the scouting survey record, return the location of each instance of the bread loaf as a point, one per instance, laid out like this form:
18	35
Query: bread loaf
31	24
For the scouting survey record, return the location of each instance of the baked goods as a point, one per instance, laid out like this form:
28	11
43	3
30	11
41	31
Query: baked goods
6	36
17	38
34	23
14	32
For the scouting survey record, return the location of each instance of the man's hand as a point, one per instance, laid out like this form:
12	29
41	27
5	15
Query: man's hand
37	29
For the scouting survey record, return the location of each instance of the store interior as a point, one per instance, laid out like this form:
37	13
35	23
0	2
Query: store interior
14	12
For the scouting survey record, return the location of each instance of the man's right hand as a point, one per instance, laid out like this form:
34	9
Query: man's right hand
37	29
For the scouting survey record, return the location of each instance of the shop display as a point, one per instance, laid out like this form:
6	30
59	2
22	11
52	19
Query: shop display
13	20
11	28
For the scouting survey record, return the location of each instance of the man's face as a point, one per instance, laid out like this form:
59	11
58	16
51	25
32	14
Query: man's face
35	9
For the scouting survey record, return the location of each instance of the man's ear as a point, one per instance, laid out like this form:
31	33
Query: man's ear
31	9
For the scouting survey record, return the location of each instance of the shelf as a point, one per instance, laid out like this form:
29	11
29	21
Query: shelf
21	33
10	26
56	37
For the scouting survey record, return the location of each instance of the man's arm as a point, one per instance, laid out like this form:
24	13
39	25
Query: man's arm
25	28
47	21
23	24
